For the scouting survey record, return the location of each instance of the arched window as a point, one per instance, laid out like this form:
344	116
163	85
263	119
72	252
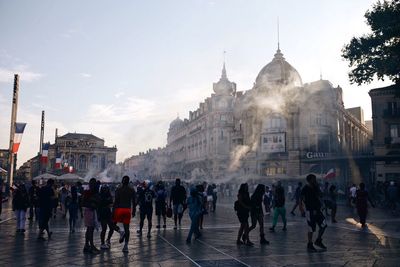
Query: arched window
82	162
94	162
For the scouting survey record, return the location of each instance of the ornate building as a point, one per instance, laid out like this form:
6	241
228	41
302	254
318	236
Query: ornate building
86	154
280	128
386	125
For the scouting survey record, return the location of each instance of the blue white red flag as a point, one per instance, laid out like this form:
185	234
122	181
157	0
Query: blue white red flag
45	153
19	130
58	161
330	174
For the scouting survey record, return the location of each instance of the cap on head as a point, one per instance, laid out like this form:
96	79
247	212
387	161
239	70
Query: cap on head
311	177
178	181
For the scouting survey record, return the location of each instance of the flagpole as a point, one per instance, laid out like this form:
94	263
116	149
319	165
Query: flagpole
12	129
41	143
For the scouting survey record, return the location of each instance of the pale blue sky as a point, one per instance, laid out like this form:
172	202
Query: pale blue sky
122	70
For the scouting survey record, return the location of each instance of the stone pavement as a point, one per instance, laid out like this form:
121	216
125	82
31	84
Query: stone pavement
348	244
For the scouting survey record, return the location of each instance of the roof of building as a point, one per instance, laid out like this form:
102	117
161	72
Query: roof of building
80	136
278	72
224	86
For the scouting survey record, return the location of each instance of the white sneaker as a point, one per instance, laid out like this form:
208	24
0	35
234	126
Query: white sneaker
125	249
104	246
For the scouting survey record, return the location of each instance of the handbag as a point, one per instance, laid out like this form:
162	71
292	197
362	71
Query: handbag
169	212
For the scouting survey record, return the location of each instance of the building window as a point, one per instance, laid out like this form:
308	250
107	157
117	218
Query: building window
82	162
394	133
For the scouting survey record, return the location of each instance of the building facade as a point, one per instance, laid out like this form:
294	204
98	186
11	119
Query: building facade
84	154
279	129
386	127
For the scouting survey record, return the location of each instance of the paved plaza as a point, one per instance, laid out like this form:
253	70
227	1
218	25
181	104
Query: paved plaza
348	244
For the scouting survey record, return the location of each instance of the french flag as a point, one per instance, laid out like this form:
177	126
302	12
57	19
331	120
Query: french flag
330	174
45	153
19	130
58	161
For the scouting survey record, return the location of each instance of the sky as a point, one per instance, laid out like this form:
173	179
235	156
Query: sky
123	70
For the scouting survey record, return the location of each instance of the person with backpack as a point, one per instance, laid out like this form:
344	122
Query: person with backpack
161	205
20	204
242	208
46	204
145	200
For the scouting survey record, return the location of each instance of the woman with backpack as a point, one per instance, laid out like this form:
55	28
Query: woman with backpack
161	204
256	212
195	204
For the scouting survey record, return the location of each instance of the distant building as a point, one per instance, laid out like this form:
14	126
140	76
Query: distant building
83	154
386	127
279	129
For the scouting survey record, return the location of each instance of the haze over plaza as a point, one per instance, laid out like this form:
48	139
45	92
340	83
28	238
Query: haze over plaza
123	71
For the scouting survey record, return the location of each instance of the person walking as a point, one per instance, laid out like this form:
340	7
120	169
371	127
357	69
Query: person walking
178	200
161	205
310	197
256	212
279	207
124	209
215	197
242	208
46	204
195	205
105	217
33	201
267	200
145	200
20	204
361	200
63	197
90	203
332	202
296	198
72	205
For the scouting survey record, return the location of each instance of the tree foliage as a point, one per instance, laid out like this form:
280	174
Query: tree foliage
376	54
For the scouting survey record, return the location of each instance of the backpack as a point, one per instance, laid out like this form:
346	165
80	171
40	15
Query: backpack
236	205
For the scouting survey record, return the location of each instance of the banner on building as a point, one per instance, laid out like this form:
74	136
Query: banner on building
19	131
45	153
273	142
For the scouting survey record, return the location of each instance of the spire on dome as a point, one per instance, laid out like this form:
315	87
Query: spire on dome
223	75
279	50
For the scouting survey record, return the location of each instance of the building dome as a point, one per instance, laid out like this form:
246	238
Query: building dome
278	72
176	124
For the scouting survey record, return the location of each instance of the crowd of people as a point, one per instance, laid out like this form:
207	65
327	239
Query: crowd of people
110	208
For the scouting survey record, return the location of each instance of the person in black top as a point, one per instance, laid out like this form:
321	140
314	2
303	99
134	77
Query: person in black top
362	199
256	211
145	201
124	209
90	202
242	208
296	198
279	207
20	204
105	216
33	199
46	202
310	197
178	199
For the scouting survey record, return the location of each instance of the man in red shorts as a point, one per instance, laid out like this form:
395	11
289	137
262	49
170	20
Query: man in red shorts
124	209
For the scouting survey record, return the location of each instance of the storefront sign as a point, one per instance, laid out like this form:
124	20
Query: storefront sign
316	155
273	142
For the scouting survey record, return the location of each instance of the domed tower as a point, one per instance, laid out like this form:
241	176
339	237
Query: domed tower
278	73
224	86
176	124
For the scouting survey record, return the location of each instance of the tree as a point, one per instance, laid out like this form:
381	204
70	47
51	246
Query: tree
377	54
